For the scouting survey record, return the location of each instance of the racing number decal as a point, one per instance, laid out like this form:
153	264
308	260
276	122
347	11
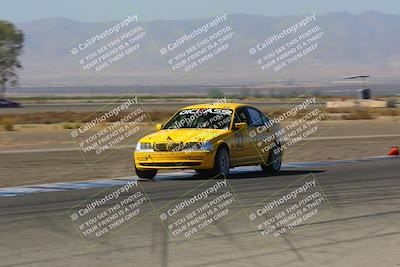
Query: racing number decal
239	140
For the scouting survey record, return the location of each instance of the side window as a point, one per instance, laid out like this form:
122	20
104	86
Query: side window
241	116
266	121
265	118
255	117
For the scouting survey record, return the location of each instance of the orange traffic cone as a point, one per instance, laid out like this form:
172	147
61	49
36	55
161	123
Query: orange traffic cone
394	151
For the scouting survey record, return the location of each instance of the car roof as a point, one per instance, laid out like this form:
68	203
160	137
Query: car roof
217	105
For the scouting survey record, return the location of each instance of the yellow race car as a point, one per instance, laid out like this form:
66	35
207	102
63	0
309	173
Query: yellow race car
210	139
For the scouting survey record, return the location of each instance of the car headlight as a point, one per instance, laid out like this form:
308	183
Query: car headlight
198	146
144	147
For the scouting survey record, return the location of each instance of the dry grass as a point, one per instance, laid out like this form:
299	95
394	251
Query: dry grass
385	111
45	117
275	113
363	113
358	115
72	119
374	111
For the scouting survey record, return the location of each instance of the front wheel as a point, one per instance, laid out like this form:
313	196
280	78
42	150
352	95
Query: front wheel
274	162
222	162
146	174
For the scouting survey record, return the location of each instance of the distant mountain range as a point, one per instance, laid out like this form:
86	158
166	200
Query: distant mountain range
368	43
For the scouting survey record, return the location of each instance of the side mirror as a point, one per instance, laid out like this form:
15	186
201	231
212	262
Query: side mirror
159	126
240	125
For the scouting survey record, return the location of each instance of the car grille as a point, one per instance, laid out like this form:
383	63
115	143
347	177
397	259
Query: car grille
173	146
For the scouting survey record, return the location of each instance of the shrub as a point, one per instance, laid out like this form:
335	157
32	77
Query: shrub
7	124
67	125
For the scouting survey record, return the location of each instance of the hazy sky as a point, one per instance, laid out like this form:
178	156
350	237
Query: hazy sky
104	10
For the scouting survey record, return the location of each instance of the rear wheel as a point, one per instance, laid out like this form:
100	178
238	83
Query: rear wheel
146	174
274	162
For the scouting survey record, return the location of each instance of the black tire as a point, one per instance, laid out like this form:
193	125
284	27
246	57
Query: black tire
146	174
222	162
274	162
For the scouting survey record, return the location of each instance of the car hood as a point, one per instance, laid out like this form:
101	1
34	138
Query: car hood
183	135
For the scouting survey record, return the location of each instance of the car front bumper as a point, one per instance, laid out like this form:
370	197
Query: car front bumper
174	160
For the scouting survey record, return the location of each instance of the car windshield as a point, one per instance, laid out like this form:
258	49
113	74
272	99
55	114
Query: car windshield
209	118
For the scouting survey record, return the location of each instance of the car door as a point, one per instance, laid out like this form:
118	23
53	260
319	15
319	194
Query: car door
260	135
240	146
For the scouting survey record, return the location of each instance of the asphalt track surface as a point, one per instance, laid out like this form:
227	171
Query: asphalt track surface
361	229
